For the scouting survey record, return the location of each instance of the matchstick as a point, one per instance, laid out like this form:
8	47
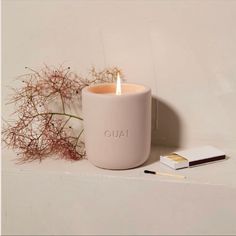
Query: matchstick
164	174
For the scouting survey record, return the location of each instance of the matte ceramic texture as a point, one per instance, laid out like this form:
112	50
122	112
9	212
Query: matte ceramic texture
117	127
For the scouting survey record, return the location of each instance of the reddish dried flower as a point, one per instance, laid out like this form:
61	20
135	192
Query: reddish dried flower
43	126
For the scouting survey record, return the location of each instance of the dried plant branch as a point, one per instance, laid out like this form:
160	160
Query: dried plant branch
40	130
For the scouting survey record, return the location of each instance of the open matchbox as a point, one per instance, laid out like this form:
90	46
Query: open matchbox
192	157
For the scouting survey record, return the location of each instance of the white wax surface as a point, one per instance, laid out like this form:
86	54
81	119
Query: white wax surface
111	88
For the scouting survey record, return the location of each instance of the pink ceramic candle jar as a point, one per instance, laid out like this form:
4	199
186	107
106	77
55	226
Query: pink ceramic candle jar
117	126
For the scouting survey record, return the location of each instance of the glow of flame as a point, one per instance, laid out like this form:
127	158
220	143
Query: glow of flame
118	85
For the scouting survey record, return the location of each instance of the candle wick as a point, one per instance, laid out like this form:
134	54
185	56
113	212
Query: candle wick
118	84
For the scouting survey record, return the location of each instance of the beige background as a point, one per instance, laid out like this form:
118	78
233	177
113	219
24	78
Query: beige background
184	50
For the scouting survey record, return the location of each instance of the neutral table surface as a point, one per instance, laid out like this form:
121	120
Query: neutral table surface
58	197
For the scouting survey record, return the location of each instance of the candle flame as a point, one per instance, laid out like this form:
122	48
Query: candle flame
118	85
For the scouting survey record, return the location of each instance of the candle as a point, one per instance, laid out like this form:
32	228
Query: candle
117	124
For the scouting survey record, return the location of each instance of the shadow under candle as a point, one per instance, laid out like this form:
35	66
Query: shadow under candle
166	129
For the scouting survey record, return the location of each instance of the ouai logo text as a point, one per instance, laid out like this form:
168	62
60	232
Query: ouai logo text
116	133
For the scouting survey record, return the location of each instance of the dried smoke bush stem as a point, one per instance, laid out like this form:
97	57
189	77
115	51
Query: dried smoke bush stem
40	131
